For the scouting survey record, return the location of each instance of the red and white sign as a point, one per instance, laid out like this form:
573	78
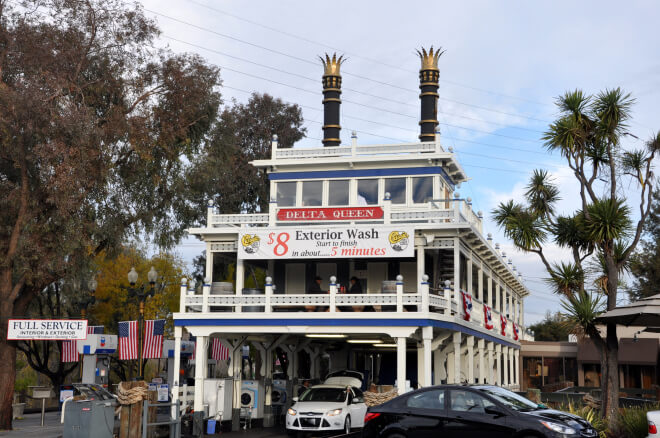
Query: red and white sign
326	242
47	329
329	214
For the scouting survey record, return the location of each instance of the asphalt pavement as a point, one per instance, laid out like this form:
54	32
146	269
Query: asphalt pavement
30	426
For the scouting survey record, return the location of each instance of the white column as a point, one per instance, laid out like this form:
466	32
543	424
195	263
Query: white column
174	384
420	262
209	263
451	369
517	361
511	310
498	369
423	289
497	297
200	361
491	363
457	274
401	364
522	312
427	337
470	286
512	368
489	286
480	284
240	280
481	347
182	295
505	362
457	357
470	359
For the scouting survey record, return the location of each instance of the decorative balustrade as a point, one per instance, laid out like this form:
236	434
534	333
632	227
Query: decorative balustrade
460	211
270	304
356	151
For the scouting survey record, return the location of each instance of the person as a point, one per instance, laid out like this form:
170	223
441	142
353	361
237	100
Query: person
314	289
356	288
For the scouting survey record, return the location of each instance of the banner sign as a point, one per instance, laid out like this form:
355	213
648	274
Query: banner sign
47	329
329	214
334	242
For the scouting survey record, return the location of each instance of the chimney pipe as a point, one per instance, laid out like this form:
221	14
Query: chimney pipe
429	76
331	100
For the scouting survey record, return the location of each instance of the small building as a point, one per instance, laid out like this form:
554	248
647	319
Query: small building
436	300
551	366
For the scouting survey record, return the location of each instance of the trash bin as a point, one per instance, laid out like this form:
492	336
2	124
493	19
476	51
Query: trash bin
89	419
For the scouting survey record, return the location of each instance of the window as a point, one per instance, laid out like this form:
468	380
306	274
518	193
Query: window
422	189
358	394
312	194
367	192
286	194
338	192
433	399
468	401
397	189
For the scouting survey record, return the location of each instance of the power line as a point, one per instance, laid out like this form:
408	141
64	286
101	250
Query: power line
292	35
307	61
346	100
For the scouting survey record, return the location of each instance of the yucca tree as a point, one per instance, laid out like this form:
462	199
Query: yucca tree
588	136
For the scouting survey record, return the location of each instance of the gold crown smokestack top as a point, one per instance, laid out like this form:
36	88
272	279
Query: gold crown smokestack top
331	100
429	77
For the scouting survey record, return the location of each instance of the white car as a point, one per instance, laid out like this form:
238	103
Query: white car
336	405
653	418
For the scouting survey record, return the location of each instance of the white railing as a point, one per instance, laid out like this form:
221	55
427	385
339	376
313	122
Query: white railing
269	304
460	211
356	151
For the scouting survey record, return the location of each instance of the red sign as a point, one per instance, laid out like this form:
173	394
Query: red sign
329	214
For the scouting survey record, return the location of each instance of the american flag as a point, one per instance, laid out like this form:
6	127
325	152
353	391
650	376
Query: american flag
152	345
219	351
70	351
94	329
128	340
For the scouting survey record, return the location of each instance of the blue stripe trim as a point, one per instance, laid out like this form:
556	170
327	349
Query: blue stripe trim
338	322
354	173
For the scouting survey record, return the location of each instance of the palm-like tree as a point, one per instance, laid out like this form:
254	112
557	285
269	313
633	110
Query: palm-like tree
588	136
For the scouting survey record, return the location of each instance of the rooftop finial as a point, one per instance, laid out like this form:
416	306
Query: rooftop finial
331	65
430	58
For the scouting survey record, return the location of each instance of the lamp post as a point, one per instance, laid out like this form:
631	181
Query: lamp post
141	293
84	301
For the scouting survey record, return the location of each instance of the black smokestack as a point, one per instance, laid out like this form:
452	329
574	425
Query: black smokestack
429	76
331	100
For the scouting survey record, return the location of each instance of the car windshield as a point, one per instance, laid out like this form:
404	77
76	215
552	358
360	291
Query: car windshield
510	399
323	395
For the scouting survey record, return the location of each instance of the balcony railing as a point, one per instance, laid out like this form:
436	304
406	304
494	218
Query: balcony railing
454	211
356	151
222	303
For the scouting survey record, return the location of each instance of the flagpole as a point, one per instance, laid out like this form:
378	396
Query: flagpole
140	319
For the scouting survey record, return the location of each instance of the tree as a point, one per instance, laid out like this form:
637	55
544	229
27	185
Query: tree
97	130
645	263
113	303
223	172
553	328
588	136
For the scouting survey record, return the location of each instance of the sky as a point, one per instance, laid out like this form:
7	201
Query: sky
505	63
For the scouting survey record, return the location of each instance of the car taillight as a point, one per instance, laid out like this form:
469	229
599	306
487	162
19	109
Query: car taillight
652	428
370	416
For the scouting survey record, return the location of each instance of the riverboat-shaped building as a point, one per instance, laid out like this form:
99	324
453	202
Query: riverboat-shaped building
437	301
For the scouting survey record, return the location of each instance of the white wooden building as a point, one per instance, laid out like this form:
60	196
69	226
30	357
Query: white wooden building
389	215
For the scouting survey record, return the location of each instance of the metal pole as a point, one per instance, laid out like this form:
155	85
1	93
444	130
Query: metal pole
43	411
140	377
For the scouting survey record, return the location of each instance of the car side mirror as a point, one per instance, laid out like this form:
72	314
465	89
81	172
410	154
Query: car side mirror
495	410
355	400
295	399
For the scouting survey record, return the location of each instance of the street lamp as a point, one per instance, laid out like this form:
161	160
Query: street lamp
141	293
84	301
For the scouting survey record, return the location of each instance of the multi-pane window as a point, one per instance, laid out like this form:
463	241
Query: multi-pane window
367	192
422	189
397	189
286	194
312	193
338	192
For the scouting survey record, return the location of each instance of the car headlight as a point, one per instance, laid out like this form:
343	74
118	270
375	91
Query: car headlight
291	411
559	428
333	412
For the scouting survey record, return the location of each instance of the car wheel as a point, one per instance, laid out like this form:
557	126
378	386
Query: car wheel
347	425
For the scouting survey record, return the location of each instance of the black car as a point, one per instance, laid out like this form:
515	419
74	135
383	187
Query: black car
455	411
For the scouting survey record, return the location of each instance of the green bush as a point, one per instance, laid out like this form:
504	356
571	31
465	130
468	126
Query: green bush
633	423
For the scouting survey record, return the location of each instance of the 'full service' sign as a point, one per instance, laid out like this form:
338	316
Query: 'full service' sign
330	242
47	329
